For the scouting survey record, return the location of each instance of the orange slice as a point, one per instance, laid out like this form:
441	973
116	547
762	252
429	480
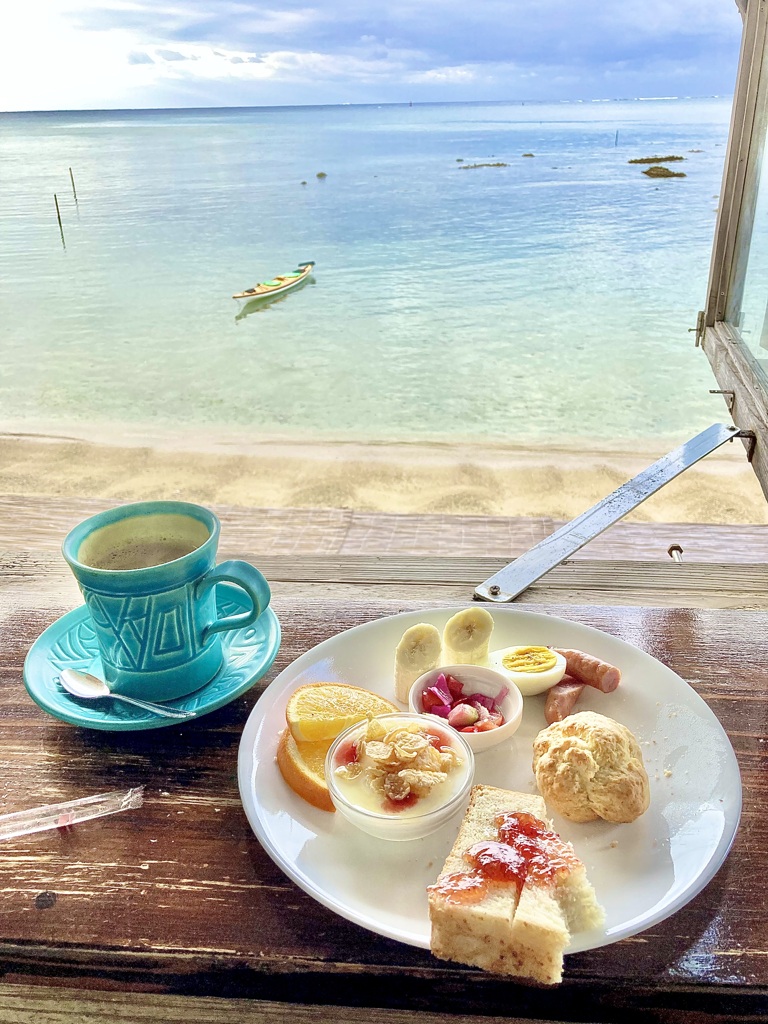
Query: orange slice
320	711
302	765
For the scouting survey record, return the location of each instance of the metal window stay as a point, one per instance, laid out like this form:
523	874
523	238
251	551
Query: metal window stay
513	579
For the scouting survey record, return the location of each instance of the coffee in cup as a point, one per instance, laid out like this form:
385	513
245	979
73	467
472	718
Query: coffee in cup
148	574
141	543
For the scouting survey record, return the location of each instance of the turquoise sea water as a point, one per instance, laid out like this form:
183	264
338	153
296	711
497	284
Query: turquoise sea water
545	301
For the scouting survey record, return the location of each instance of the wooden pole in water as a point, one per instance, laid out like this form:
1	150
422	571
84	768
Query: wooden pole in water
58	217
615	141
72	179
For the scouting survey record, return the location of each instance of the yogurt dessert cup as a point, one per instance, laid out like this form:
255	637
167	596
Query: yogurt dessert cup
399	776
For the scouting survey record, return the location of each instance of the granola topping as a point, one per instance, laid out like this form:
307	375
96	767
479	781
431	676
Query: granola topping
399	764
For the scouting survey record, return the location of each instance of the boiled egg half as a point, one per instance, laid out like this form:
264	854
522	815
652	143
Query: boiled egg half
532	669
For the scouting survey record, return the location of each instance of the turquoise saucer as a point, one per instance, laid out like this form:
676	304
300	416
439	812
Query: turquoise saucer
71	643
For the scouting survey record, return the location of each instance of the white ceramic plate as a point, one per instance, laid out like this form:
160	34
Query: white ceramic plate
642	872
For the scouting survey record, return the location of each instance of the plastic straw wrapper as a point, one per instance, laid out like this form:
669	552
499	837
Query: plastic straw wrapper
38	819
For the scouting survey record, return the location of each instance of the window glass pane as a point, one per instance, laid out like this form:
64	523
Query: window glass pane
747	308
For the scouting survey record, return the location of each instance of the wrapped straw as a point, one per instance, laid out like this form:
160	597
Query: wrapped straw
38	819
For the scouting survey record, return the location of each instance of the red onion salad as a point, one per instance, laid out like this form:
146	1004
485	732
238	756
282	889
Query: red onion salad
465	712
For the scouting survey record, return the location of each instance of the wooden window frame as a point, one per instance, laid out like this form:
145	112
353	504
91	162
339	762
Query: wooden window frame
738	375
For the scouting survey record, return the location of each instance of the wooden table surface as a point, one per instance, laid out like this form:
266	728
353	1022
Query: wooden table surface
174	911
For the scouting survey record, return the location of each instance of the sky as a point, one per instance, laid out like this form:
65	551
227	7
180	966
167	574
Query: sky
106	54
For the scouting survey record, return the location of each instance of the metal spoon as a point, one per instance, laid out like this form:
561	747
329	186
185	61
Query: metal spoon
88	687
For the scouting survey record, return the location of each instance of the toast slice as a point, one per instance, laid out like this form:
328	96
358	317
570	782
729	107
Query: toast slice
523	933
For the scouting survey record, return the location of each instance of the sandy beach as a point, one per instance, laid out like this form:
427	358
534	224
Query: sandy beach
466	479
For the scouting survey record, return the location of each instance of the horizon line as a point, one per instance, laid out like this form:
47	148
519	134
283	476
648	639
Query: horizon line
387	103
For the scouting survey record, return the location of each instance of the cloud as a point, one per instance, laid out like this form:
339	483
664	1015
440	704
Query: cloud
129	51
137	57
201	21
453	75
452	31
170	55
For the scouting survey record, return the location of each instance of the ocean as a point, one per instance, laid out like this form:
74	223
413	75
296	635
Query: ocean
545	301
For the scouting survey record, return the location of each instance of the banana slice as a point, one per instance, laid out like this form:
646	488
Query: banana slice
417	652
466	637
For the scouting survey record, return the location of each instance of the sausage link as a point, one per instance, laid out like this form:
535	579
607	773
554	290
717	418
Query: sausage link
586	669
561	699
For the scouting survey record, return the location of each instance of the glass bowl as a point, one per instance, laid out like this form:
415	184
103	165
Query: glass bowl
476	678
418	814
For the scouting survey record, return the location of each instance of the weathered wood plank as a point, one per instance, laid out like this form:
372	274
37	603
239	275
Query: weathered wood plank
736	371
671	584
41	523
29	1004
590	579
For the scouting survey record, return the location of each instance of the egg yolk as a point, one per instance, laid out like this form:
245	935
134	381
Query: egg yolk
529	659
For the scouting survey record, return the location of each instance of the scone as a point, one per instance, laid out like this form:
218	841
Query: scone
589	767
521	928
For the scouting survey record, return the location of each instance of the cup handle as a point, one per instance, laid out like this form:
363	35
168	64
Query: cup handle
248	578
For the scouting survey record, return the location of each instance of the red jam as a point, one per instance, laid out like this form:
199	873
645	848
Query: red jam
395	806
547	856
461	888
498	862
524	850
347	753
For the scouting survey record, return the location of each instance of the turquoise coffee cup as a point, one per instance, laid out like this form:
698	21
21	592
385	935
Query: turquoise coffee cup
148	574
